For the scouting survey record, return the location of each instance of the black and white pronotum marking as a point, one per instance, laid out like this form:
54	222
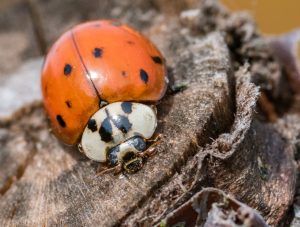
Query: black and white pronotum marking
117	133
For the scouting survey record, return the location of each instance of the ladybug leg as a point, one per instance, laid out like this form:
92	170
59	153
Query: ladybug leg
104	169
150	151
176	88
147	153
79	146
101	167
118	169
155	140
154	108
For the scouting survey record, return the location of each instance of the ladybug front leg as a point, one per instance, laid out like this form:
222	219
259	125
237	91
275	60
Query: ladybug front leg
155	140
150	151
106	169
147	153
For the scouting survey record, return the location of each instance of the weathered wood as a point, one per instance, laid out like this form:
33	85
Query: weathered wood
20	87
211	207
57	17
249	160
61	187
211	138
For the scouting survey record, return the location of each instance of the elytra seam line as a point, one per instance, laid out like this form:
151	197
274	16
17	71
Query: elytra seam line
85	68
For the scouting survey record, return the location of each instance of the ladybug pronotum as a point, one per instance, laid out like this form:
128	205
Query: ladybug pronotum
100	83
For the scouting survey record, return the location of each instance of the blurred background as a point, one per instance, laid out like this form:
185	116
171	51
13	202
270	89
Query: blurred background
272	16
29	27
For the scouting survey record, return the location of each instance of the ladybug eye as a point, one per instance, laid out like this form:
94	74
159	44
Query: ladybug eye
98	52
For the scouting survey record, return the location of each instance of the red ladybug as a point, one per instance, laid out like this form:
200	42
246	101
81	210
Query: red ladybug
94	63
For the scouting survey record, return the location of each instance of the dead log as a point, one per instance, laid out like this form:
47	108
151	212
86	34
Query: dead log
211	138
212	207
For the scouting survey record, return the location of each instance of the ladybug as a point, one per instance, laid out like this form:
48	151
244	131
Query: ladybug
100	83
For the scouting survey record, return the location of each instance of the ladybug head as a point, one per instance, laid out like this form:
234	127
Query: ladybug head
132	162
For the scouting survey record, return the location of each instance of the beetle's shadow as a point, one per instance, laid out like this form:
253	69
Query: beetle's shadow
81	159
165	104
73	151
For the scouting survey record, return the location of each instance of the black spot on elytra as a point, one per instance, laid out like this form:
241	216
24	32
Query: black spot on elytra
124	73
105	130
130	42
67	69
92	125
144	76
122	123
157	60
126	107
98	52
69	104
61	121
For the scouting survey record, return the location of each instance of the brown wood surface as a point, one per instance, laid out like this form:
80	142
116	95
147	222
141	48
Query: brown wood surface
212	136
55	180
